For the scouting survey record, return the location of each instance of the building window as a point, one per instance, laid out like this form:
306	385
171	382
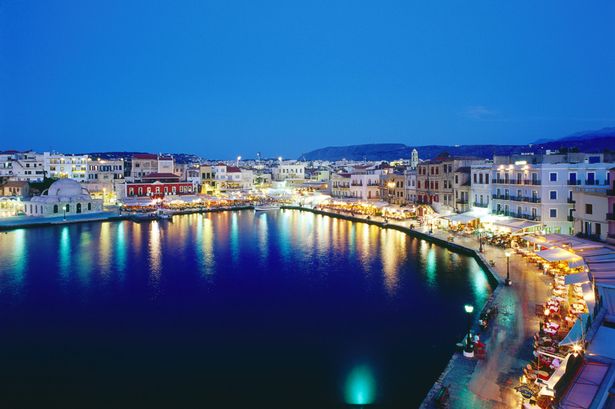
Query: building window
553	177
553	213
55	208
67	208
553	194
588	208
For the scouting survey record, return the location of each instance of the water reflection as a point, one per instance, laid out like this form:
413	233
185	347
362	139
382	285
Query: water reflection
155	255
360	386
85	262
64	252
120	248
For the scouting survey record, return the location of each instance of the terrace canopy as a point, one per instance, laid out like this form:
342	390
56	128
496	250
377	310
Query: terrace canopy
577	332
463	218
534	239
557	254
603	343
576	278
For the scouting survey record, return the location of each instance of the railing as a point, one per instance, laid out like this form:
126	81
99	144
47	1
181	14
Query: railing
475	204
610	192
462	201
570	218
571	200
610	216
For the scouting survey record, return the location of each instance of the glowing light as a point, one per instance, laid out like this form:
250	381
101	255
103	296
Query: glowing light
469	308
360	386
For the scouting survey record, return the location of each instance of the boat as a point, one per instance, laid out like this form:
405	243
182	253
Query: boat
162	215
266	207
143	217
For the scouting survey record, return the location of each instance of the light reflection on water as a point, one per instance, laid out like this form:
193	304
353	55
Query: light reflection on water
317	292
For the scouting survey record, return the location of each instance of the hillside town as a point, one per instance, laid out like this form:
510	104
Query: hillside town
552	213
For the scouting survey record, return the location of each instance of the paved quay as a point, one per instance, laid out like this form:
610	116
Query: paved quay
487	383
16	222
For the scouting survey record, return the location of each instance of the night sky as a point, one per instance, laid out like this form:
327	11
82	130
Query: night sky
227	78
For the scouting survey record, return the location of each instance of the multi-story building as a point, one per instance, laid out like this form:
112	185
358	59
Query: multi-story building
143	164
105	170
340	185
443	182
166	164
208	179
61	166
22	166
365	184
480	185
411	186
291	171
393	188
591	206
159	185
542	191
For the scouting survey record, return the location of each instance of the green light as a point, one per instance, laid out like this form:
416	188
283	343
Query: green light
360	386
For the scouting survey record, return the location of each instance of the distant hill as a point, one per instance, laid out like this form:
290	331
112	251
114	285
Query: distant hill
590	141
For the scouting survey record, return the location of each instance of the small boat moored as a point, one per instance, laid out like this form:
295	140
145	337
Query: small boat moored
266	207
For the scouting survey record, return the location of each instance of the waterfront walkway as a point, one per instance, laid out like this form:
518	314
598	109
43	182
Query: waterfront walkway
489	383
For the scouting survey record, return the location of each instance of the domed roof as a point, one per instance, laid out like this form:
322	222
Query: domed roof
66	188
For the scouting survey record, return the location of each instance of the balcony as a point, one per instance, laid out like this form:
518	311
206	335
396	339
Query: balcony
484	205
610	216
570	218
571	200
610	192
573	182
462	201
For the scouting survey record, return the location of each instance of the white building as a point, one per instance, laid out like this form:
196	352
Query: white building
291	171
591	205
480	187
22	166
543	191
64	197
166	164
411	186
59	165
414	159
142	165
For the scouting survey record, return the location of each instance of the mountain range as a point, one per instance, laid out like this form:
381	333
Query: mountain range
587	141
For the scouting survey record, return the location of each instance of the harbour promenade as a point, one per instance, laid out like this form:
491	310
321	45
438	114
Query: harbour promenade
485	383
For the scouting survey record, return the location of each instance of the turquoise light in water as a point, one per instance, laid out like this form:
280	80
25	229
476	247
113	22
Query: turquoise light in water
360	386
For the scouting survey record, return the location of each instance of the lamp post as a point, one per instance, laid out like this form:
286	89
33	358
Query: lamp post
508	282
480	240
468	350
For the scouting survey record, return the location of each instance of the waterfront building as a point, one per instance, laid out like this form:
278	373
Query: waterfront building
143	164
293	172
340	185
105	170
393	188
207	179
480	185
166	164
159	185
444	182
60	166
543	191
411	186
591	205
22	166
64	197
15	188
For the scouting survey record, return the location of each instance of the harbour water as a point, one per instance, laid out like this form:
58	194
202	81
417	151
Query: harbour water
271	309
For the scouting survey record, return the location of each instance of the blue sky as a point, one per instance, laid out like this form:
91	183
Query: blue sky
230	78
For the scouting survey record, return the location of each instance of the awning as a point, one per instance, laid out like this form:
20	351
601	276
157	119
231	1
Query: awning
534	239
557	374
463	218
556	254
585	386
576	278
577	332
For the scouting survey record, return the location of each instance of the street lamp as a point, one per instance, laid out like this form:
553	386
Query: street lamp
480	240
508	282
468	351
